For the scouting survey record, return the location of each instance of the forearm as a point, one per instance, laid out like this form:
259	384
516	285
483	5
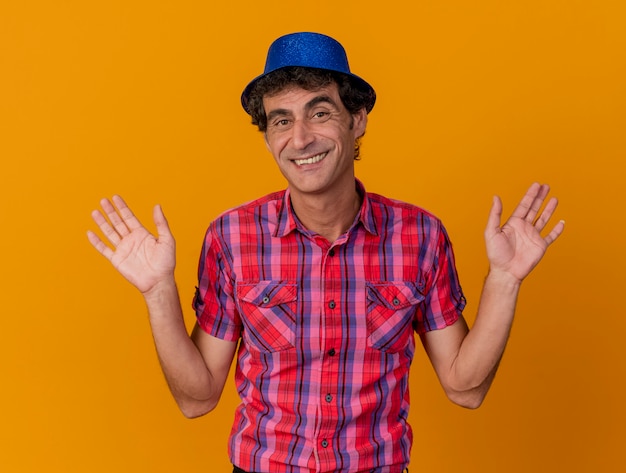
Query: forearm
467	360
483	346
184	368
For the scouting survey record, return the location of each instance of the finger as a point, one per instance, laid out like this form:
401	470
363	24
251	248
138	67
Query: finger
106	228
544	189
162	226
99	245
545	216
115	219
555	233
130	221
526	204
495	217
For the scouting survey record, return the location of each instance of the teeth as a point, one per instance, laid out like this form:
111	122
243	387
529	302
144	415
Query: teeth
314	159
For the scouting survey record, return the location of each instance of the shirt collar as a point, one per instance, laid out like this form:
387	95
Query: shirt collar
288	220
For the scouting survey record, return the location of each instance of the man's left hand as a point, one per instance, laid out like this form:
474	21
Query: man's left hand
516	247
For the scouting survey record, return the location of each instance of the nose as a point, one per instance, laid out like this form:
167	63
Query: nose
301	134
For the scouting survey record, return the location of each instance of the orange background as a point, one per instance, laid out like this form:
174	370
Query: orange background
142	98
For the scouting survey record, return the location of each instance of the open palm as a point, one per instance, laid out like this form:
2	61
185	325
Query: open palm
517	246
143	259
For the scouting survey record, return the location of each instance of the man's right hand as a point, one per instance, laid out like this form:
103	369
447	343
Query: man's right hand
142	258
196	370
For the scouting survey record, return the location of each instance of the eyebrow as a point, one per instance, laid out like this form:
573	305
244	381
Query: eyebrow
277	113
309	105
320	99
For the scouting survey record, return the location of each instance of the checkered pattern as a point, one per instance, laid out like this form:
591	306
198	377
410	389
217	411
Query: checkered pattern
327	329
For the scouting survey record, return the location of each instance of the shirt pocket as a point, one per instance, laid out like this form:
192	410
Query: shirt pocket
391	308
268	310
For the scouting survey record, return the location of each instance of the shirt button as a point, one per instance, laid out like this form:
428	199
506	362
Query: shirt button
266	299
396	301
328	398
324	443
331	252
332	352
332	304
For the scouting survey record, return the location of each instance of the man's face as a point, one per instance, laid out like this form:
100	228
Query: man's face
311	136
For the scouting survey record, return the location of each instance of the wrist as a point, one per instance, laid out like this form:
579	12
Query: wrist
503	278
160	289
163	304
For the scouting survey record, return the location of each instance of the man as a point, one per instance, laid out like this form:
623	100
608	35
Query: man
323	286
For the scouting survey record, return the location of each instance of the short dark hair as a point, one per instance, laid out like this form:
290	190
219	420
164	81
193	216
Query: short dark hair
353	95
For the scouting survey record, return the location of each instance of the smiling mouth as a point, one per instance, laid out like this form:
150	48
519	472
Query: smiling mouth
312	160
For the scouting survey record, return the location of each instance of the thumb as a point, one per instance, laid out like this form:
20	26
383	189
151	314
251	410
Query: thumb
495	217
162	227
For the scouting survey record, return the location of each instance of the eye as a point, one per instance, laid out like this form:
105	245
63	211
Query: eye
321	115
281	123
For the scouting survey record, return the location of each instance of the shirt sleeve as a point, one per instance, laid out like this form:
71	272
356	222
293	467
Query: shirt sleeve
214	303
444	300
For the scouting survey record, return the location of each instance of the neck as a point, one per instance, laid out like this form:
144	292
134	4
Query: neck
327	215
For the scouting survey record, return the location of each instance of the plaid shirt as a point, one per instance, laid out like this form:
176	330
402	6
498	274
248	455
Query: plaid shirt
327	329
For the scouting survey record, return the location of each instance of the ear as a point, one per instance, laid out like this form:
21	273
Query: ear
359	123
